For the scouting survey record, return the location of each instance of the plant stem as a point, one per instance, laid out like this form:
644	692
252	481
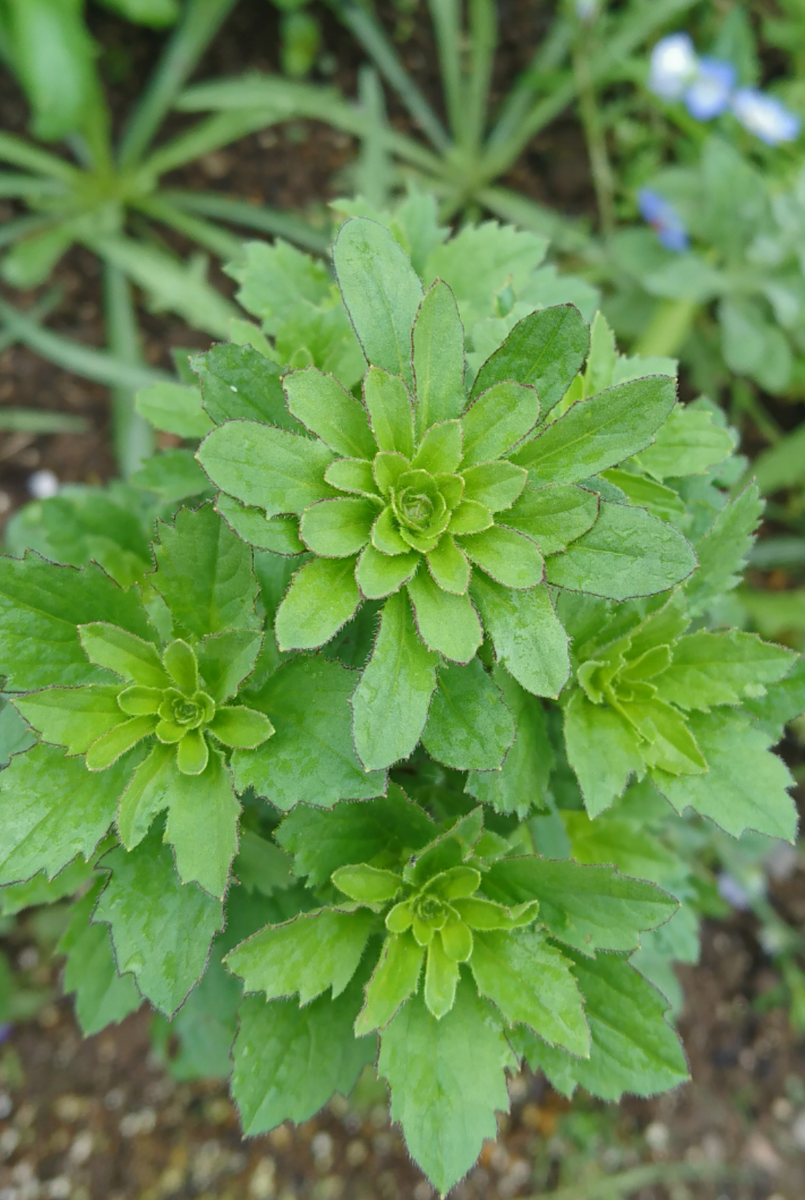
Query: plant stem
132	437
668	328
218	241
240	212
600	168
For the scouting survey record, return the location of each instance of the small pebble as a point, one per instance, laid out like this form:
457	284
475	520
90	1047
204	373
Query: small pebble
43	485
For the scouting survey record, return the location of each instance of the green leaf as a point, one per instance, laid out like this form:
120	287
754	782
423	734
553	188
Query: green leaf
441	978
446	623
161	928
174	408
589	908
279	534
102	997
469	725
554	516
689	443
240	728
395	979
522	781
391	411
438	340
310	758
622	840
633	1048
332	413
367	885
531	983
509	557
781	704
322	597
240	384
545	350
274	276
602	748
529	640
226	659
497	420
599	432
745	784
449	566
626	553
444	1096
290	1060
603	357
723	550
124	653
173	474
439	449
146	794
41	607
390	704
381	291
269	468
108	748
482	260
722	668
662	501
54	808
496	485
202	825
321	842
380	575
352	475
72	717
337	528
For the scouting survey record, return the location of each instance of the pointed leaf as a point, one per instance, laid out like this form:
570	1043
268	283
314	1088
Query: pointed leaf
322	597
239	383
603	749
226	659
554	516
366	884
202	826
332	413
722	668
174	408
122	652
497	420
108	748
438	358
529	640
469	726
395	979
279	534
273	469
511	558
545	350
447	623
146	794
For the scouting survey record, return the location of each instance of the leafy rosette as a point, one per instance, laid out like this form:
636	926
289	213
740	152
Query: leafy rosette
453	502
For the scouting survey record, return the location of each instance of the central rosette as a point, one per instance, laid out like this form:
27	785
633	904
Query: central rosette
420	509
178	711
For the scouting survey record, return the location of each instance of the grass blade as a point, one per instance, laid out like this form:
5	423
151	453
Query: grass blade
211	237
18	152
261	219
35	420
132	436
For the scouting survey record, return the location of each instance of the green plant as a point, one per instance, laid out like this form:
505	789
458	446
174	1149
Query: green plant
109	198
437	880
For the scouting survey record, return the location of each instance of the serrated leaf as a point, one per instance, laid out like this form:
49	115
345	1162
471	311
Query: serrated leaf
627	553
288	1061
322	597
279	534
469	725
589	908
721	668
723	550
395	979
332	413
782	703
102	997
174	408
161	928
390	704
204	574
529	640
622	841
120	651
321	842
309	954
497	420
444	1097
41	607
54	808
272	469
522	781
438	341
274	276
226	659
310	758
381	291
480	261
240	384
174	475
554	516
633	1047
447	623
531	983
72	717
689	443
602	748
745	784
599	432
545	349
202	825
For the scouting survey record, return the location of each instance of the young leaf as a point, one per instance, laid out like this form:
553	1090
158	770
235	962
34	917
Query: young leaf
72	717
310	758
146	794
161	928
390	704
626	553
497	420
509	557
495	485
722	668
602	748
531	983
270	468
447	623
54	808
122	652
226	659
689	443
600	432
290	1060
391	411
522	781
338	528
381	291
41	607
528	638
554	516
202	825
322	597
545	350
589	908
441	977
469	726
366	884
395	979
633	1048
307	955
438	358
449	566
204	574
447	1080
745	784
332	413
102	997
279	534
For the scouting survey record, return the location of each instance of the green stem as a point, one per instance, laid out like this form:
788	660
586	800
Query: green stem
208	135
668	329
600	168
239	212
14	150
132	436
446	18
13	185
211	237
483	43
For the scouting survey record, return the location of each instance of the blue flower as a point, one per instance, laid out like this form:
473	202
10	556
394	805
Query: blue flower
765	116
673	66
710	92
663	218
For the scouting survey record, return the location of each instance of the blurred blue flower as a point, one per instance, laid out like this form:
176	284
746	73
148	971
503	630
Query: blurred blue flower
765	116
710	93
663	218
732	891
5	1032
673	66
